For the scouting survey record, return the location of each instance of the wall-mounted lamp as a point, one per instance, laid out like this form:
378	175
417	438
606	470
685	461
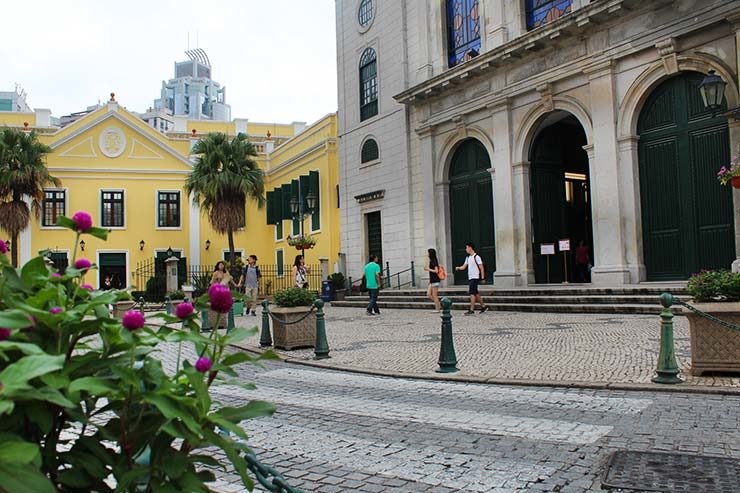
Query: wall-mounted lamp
82	245
208	244
712	90
141	245
170	253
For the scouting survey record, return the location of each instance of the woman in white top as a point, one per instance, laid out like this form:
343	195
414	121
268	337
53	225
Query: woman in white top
300	271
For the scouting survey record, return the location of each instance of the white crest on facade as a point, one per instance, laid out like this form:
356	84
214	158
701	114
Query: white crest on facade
112	142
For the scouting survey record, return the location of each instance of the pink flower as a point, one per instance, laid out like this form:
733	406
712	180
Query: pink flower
82	264
221	299
3	247
203	364
87	286
4	333
56	274
83	221
56	310
184	310
133	320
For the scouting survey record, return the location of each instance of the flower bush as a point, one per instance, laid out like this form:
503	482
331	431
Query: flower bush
85	402
726	173
294	297
714	285
305	241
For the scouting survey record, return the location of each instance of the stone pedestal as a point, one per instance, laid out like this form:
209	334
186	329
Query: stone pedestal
171	265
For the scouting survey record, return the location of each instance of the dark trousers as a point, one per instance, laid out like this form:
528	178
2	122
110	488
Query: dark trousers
582	270
372	305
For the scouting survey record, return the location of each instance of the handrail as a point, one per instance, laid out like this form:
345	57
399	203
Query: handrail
386	278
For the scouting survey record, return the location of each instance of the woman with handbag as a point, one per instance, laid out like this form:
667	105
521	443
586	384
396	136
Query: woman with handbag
299	272
434	278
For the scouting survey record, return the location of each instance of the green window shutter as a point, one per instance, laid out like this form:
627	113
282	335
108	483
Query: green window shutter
278	205
279	262
314	187
271	208
304	181
286	193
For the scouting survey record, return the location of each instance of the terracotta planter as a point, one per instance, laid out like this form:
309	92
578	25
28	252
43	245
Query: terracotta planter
293	335
121	307
735	181
713	347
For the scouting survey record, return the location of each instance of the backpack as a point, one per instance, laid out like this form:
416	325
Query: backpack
441	272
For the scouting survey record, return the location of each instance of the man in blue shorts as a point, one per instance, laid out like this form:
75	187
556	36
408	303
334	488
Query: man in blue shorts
476	275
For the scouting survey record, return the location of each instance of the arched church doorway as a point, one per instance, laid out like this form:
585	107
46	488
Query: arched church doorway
687	216
561	201
471	206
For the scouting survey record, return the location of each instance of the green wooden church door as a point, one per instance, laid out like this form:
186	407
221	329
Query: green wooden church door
687	216
471	204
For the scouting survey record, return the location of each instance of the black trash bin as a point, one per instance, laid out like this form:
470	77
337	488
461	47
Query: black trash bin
327	291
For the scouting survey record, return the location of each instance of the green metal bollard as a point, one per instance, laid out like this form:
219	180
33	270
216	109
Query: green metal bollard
168	305
447	359
321	348
141	303
265	337
230	320
205	326
667	370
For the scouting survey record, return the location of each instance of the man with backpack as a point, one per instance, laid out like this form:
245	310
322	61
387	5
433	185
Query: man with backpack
250	279
476	274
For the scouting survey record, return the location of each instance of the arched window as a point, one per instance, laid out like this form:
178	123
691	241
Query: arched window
368	84
369	151
463	30
540	12
366	12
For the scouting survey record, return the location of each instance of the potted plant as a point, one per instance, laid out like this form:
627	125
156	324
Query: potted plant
714	347
337	281
293	319
730	173
302	242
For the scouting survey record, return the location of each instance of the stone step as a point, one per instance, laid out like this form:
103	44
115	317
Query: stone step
551	291
529	300
518	307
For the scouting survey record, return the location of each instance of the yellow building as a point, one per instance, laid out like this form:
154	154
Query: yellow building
130	178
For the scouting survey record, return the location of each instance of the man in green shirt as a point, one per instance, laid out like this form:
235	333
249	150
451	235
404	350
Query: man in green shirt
372	282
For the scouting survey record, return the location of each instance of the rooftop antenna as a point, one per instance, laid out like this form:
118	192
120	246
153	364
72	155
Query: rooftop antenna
188	40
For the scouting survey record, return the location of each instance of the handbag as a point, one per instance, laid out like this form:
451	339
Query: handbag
363	284
441	273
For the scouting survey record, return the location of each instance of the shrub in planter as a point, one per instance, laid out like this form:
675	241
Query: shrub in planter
85	403
178	295
293	321
339	284
714	347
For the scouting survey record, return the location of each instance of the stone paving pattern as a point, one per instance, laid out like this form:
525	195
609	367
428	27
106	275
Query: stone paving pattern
347	432
560	348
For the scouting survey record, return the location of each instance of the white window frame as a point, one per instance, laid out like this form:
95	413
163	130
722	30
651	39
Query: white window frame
156	210
359	154
66	206
100	208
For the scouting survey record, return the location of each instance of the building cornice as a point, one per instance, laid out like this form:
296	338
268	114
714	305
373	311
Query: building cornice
580	22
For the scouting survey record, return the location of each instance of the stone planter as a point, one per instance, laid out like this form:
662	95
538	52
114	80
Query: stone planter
213	316
340	294
238	308
121	307
713	347
293	335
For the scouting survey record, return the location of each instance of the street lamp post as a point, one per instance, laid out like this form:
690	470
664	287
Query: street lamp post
299	213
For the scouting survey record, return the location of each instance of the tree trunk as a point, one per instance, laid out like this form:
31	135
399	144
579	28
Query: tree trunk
232	254
14	249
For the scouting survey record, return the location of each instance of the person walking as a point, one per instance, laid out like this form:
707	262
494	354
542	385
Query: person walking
583	260
250	279
476	275
221	275
299	272
372	283
433	269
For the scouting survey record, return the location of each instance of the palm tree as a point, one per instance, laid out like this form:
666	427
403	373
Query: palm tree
23	173
225	175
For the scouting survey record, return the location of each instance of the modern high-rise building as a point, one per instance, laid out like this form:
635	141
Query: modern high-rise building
192	93
14	101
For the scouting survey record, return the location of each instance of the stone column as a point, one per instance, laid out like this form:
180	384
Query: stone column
171	264
629	174
734	151
25	252
324	263
495	25
506	274
606	202
522	204
194	227
444	253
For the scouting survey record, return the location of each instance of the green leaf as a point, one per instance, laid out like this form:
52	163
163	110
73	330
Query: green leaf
17	451
23	347
17	375
253	409
236	358
75	478
13	281
22	478
240	334
99	233
92	385
45	394
34	270
14	319
170	408
175	464
6	407
65	222
130	476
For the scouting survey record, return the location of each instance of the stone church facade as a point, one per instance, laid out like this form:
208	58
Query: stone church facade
516	124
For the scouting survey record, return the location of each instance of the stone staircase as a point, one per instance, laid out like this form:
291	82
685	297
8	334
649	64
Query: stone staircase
639	299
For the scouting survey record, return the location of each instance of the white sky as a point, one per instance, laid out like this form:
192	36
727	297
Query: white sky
277	58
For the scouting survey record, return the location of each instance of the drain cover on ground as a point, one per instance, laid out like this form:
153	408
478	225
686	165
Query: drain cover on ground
675	473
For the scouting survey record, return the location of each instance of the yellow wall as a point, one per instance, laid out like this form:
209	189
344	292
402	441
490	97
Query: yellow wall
14	119
151	161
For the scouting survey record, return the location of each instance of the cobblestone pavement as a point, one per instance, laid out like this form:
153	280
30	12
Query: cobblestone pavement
346	432
564	348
